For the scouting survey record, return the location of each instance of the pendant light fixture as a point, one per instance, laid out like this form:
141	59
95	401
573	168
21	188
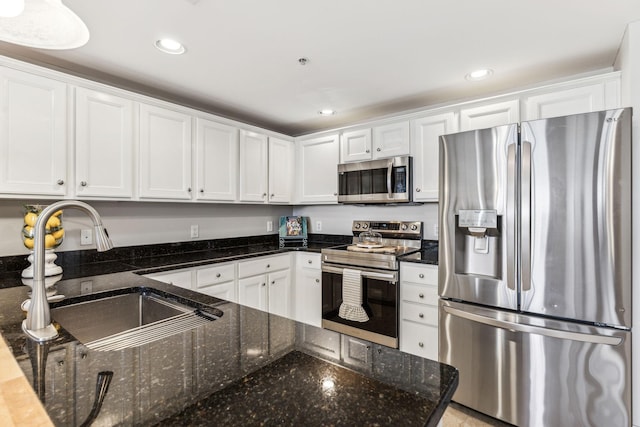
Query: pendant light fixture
42	24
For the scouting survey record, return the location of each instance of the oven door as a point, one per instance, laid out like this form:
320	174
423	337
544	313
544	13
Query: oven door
380	296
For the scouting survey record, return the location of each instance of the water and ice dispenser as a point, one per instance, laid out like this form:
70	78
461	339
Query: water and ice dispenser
478	242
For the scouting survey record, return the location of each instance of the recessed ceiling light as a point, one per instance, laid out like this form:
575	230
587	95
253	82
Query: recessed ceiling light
326	112
171	46
479	74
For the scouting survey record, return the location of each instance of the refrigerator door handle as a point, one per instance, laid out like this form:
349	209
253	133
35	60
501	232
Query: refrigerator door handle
511	217
537	330
525	216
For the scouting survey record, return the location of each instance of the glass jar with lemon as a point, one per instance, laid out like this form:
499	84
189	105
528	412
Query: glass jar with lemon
54	234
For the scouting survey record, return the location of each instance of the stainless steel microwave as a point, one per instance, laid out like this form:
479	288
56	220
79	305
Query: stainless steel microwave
376	181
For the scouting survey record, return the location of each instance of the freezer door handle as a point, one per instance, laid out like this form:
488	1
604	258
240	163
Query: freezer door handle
525	216
511	217
529	329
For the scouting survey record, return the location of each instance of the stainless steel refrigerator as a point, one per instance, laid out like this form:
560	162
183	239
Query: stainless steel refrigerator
535	269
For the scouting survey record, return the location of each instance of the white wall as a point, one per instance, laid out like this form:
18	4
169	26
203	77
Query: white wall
628	61
338	219
139	223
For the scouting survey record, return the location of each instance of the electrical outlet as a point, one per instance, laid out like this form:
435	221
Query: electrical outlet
269	226
86	237
318	226
194	231
86	287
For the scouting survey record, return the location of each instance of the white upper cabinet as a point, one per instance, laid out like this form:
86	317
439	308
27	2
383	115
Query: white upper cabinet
574	100
104	145
317	169
253	167
33	134
165	153
425	143
216	161
370	144
355	145
391	140
281	154
489	115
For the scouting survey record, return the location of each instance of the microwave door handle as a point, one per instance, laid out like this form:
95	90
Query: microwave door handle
389	172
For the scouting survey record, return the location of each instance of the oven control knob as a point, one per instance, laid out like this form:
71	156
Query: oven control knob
357	225
404	226
414	227
365	226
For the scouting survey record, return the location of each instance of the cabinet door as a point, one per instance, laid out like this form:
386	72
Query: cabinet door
317	170
280	293
225	291
578	100
391	140
165	153
252	292
425	143
253	167
216	161
490	115
355	145
308	296
280	170
33	134
180	278
104	144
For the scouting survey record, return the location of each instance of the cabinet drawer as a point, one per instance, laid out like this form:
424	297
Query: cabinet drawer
308	260
225	291
421	313
422	294
419	273
418	339
216	274
180	278
263	265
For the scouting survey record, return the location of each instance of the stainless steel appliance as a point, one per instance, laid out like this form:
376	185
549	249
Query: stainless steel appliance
377	267
376	181
535	269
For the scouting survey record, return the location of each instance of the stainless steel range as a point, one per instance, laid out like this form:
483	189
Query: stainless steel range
360	291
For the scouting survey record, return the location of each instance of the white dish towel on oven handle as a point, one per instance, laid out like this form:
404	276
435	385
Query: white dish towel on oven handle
351	307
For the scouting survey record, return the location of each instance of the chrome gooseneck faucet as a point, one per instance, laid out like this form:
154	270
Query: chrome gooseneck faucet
38	325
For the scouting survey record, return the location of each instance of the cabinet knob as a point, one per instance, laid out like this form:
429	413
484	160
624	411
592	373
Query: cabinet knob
218	275
83	183
273	282
264	195
202	190
60	182
421	276
60	362
264	284
335	194
317	280
189	189
272	195
310	261
418	190
421	344
378	149
421	295
421	316
268	265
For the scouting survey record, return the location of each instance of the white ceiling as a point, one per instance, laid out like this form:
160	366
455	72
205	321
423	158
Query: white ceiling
367	58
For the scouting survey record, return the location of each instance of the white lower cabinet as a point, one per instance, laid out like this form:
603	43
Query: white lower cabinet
180	278
419	309
217	281
308	289
265	283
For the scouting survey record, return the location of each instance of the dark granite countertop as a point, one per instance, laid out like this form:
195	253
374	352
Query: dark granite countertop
245	352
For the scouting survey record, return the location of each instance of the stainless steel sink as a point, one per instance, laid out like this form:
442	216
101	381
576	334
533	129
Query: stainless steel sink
129	320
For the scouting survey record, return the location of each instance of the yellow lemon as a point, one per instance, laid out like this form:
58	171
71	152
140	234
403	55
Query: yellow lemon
57	213
58	234
28	243
53	222
30	219
49	241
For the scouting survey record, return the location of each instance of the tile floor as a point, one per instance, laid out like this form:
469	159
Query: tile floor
461	416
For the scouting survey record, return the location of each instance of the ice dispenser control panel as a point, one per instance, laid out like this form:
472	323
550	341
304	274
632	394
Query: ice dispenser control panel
478	222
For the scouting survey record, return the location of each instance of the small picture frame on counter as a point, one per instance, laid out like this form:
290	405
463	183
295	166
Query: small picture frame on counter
293	231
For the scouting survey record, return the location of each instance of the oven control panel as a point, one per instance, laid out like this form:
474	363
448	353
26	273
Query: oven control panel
390	229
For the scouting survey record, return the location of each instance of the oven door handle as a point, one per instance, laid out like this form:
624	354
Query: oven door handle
391	277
